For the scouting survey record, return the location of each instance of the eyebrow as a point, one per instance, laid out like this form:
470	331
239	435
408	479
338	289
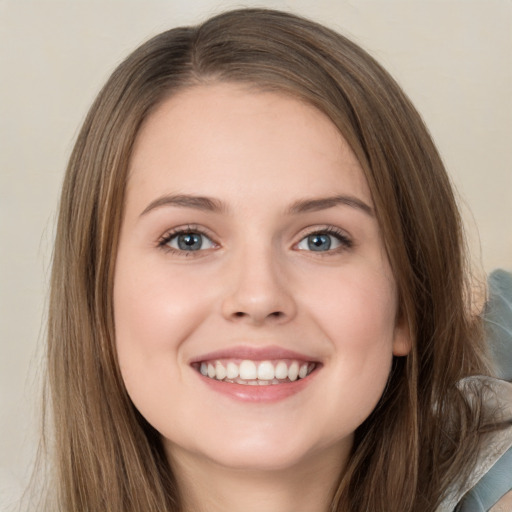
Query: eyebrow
186	201
313	205
210	204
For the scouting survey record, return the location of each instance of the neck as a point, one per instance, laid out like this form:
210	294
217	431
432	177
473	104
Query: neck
309	486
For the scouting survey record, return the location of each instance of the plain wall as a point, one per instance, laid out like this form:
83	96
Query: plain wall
453	58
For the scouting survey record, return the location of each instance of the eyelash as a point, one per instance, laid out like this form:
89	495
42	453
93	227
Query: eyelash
345	241
341	236
167	237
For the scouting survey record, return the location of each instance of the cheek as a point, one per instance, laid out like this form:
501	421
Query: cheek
357	316
153	307
357	308
154	311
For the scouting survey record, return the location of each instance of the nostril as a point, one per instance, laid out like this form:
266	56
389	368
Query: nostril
274	314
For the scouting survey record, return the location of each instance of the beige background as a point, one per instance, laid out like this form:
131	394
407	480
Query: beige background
453	57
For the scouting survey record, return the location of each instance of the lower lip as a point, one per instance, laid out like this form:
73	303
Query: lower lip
267	393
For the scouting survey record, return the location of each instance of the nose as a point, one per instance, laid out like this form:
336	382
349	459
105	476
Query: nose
258	290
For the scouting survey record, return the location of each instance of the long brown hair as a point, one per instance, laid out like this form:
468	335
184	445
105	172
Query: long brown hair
418	440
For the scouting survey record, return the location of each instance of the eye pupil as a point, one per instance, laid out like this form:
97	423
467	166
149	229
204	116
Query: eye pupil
319	242
190	242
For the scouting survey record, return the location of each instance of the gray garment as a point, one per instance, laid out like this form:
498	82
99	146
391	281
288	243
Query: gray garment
498	322
492	476
491	487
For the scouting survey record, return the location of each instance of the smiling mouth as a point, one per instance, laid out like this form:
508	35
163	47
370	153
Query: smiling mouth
255	373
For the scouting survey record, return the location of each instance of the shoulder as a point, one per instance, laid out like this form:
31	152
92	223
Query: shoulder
489	488
490	482
492	477
498	321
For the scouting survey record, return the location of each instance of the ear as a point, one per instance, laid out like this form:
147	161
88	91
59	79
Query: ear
402	342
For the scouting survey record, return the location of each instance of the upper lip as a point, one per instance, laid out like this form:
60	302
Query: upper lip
254	354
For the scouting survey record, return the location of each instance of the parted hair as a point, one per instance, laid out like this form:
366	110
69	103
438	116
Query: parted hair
421	438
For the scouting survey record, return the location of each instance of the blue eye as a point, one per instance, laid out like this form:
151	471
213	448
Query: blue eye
324	241
188	241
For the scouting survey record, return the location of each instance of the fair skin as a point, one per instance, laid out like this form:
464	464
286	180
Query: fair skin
282	266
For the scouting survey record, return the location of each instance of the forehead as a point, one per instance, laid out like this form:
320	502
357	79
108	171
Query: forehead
226	140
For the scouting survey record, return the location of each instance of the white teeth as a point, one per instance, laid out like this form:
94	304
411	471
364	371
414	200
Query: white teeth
232	371
248	370
220	371
281	370
256	373
265	370
293	371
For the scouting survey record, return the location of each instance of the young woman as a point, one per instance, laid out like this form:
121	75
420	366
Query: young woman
259	294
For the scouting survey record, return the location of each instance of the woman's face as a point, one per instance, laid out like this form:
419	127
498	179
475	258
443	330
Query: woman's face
255	309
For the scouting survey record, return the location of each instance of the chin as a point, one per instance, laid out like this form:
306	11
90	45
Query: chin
263	452
259	460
